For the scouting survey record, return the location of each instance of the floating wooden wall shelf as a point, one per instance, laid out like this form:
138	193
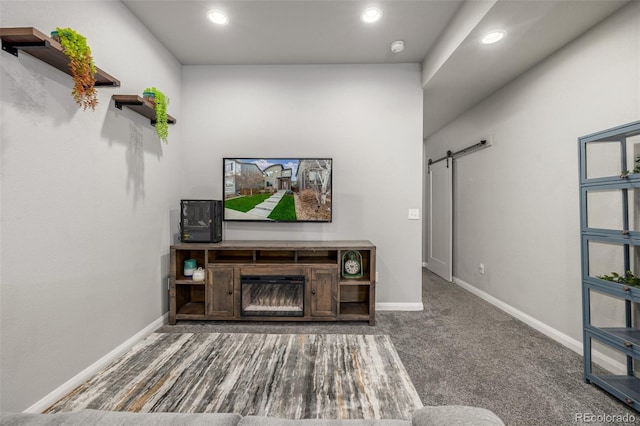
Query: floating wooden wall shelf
38	45
139	105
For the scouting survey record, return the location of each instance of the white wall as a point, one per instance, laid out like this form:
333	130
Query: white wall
86	198
366	117
516	203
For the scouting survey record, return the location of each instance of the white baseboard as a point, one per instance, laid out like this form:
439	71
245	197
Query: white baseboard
88	372
562	338
399	306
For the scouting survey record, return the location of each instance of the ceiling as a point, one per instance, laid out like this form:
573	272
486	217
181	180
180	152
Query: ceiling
294	31
443	35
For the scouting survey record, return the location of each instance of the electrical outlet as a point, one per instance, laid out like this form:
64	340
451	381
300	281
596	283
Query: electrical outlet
481	268
414	214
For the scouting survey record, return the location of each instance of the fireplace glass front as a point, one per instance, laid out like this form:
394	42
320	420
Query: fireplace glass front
269	295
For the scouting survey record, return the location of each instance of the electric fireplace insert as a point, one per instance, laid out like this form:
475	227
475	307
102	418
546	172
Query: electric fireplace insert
272	295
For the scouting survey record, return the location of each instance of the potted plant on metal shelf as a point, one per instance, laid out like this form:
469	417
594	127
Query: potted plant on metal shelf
636	169
82	68
627	278
160	101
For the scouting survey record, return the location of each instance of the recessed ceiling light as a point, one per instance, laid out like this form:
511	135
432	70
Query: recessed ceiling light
370	15
218	17
493	37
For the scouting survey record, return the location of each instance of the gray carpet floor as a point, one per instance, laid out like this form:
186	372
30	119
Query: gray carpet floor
463	350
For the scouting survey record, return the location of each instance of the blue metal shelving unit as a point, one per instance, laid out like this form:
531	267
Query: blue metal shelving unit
624	339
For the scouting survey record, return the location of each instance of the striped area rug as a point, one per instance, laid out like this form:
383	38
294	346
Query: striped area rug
295	376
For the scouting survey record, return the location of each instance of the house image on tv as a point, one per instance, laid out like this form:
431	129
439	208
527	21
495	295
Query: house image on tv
242	178
277	178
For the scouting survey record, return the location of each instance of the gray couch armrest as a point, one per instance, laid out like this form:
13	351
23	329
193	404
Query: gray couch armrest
455	415
272	421
116	418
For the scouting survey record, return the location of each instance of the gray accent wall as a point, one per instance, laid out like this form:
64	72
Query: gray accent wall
516	204
86	198
367	118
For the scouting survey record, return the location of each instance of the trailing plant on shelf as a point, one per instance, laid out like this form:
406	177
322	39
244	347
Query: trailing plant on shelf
628	278
160	102
82	68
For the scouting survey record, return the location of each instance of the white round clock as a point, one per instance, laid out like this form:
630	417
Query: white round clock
351	267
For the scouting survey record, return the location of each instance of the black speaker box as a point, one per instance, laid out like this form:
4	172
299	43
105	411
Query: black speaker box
200	221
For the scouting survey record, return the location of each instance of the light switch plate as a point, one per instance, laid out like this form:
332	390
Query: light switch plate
414	214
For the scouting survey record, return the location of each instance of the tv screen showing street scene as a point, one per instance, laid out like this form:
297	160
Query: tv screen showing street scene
277	189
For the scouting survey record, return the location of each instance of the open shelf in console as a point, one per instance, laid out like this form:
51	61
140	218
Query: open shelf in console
190	301
231	256
354	301
318	256
354	311
276	256
366	268
180	256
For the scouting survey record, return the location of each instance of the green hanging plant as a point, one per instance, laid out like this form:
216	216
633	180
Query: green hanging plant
82	68
160	101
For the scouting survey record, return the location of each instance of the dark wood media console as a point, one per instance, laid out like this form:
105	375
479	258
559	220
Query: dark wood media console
328	294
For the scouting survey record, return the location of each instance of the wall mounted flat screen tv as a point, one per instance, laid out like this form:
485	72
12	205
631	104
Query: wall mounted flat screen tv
277	189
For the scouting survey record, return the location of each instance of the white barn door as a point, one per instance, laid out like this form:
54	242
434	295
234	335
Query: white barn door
440	230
